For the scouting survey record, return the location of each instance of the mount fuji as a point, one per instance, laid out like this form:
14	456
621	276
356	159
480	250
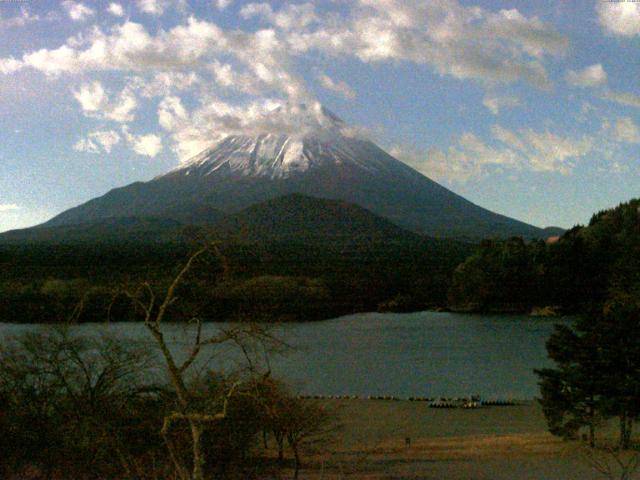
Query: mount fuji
311	152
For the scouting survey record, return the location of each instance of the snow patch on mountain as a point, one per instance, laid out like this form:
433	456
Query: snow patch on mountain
293	140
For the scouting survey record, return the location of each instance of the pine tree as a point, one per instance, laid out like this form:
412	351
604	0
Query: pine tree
597	374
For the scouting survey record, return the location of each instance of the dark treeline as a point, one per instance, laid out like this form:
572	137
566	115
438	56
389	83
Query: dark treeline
284	281
577	273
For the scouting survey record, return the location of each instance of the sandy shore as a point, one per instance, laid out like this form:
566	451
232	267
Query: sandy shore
408	440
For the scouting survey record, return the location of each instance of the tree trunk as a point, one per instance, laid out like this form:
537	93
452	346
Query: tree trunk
296	456
198	459
181	471
624	431
592	428
280	442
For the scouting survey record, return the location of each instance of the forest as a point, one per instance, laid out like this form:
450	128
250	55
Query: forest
573	274
268	281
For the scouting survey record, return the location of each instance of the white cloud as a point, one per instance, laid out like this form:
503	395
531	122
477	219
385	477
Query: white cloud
263	10
623	98
8	207
53	62
494	102
152	7
95	102
363	132
224	74
620	18
291	16
228	77
464	42
106	138
86	145
98	141
123	109
626	130
595	76
92	97
544	151
507	137
158	7
341	87
171	113
592	76
148	145
531	34
164	83
77	11
115	9
129	47
9	65
471	157
20	20
222	4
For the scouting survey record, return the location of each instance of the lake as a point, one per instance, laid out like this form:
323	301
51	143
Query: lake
429	354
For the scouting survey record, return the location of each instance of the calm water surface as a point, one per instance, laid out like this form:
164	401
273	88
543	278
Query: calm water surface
417	354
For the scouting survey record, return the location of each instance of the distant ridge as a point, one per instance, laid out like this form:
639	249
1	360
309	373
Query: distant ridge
293	218
107	230
297	217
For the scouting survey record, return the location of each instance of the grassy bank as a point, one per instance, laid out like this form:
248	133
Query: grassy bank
492	443
369	422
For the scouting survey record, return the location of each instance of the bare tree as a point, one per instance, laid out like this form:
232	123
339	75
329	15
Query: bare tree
613	463
55	387
299	422
189	412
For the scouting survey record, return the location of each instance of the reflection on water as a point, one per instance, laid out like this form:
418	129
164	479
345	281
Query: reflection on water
418	354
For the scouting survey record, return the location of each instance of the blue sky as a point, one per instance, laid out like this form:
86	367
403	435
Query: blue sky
530	109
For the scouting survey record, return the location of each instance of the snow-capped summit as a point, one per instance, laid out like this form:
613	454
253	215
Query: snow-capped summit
279	156
290	140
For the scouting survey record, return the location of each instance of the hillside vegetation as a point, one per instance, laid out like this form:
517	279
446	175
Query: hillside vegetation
303	258
292	258
576	272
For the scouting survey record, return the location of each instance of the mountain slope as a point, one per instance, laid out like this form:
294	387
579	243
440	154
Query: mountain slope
290	218
297	217
106	230
320	160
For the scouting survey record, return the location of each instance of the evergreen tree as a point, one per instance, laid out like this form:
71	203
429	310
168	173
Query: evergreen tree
597	374
571	392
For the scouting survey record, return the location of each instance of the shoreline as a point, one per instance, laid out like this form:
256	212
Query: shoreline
388	440
471	313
